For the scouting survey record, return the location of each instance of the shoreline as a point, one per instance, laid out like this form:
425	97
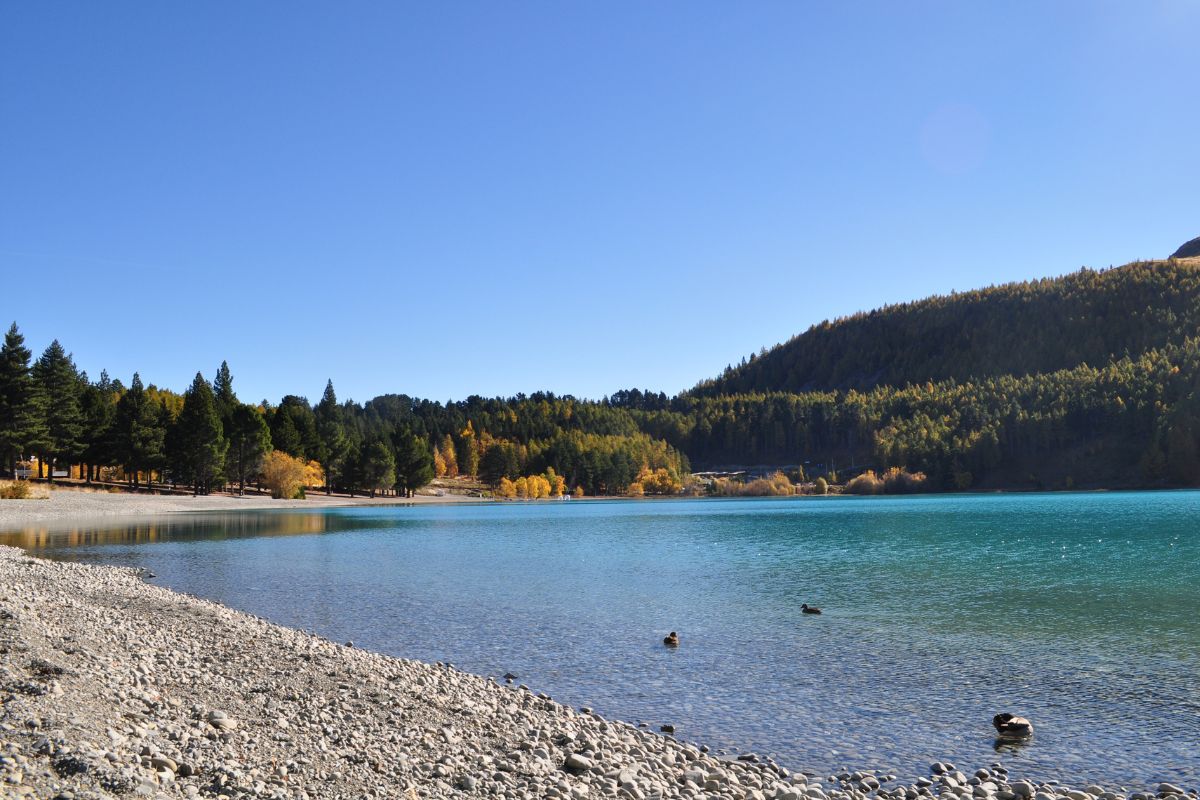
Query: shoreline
74	503
114	686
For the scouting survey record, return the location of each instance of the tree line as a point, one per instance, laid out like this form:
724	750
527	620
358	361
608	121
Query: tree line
1092	379
206	438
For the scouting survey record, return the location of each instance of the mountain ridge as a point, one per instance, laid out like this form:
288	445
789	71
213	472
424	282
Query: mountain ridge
1084	317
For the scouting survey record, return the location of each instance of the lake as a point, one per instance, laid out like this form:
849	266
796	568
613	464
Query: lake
1079	611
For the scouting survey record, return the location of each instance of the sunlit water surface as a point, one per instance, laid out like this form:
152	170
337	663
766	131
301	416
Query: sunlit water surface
1080	611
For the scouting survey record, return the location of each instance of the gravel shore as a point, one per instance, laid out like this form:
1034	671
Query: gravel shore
73	503
112	687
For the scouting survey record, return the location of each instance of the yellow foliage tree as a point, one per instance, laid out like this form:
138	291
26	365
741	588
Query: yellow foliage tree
314	474
450	457
507	489
439	463
659	481
558	484
578	492
539	487
283	475
636	489
522	486
468	459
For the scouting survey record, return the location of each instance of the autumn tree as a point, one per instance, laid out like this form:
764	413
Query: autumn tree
283	475
450	456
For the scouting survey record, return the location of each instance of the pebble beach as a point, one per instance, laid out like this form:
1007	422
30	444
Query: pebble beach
113	687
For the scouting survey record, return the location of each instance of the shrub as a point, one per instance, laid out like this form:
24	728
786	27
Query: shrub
894	481
866	483
777	485
821	486
901	481
283	475
14	490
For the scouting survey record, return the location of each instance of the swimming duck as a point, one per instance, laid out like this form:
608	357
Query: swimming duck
805	608
1010	726
672	639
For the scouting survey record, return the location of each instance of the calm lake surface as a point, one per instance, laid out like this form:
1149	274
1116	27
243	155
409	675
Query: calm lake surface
1080	611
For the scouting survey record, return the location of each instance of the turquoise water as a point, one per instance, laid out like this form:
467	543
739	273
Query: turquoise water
1079	611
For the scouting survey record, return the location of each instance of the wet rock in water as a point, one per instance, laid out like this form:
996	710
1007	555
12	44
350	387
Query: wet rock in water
667	728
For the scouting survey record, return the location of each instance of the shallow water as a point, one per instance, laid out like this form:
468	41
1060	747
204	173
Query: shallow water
1079	611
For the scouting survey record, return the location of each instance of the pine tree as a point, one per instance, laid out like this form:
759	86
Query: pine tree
414	463
22	404
468	452
223	394
138	434
98	403
331	429
199	441
58	378
378	466
249	439
284	435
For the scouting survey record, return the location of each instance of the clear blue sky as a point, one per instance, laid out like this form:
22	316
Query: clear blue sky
447	199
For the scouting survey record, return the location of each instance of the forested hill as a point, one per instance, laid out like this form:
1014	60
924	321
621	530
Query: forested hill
1087	317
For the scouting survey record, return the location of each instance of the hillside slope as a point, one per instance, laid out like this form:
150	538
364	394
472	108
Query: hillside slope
1087	317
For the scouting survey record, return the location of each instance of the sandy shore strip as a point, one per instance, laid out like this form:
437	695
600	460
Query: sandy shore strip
112	687
65	504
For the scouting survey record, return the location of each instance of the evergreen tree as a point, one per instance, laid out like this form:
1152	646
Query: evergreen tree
414	463
22	404
294	429
332	431
58	378
351	468
284	436
378	466
139	438
500	461
97	403
468	452
249	440
199	441
223	394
